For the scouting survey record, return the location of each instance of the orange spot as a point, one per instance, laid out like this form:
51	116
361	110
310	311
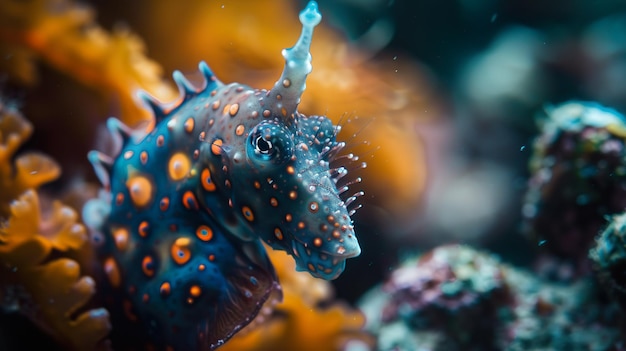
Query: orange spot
121	238
290	170
112	272
143	229
317	242
195	291
273	202
207	183
301	225
211	257
234	108
189	124
278	233
119	199
201	267
293	195
267	113
336	234
160	140
140	189
240	129
204	233
283	111
180	250
189	200
147	266
179	166
288	217
146	297
143	157
247	213
164	204
215	105
165	289
257	185
216	147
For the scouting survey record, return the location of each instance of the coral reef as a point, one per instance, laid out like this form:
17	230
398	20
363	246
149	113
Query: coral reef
451	289
578	178
609	258
483	304
37	277
487	65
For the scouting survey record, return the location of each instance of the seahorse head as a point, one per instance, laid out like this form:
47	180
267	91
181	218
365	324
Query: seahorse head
275	164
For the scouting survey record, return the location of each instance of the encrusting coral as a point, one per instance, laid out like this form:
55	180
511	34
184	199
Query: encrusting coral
609	258
578	178
36	277
458	298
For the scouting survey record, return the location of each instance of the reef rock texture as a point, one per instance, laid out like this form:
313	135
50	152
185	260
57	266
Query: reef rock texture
609	259
456	298
579	177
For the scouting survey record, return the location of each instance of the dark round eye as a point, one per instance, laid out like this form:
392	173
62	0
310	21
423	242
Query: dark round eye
270	141
263	146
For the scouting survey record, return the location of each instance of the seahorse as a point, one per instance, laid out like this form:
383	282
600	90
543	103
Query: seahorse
188	201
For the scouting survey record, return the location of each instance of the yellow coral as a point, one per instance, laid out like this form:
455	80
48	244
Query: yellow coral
65	36
50	291
31	169
298	322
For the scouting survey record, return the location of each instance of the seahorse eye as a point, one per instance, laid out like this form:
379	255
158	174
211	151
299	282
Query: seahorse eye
263	146
270	142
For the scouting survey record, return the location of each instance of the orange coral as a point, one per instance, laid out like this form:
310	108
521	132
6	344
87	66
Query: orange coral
48	290
31	169
299	323
66	37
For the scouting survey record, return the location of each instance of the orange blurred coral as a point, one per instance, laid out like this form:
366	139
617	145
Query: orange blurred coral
31	170
65	36
34	282
299	322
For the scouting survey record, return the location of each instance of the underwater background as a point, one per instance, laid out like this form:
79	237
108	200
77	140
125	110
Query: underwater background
493	133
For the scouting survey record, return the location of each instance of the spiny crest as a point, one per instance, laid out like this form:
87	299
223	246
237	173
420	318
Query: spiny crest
186	91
